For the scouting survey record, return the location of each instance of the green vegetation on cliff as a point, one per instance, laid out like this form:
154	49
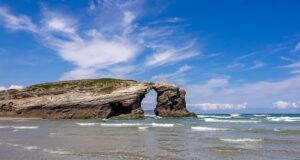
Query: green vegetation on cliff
85	83
99	86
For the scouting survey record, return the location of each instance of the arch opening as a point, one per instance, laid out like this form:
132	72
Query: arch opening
149	103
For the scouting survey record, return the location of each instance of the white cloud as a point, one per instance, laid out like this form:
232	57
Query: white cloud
286	105
11	87
179	73
262	93
219	106
98	53
16	22
59	24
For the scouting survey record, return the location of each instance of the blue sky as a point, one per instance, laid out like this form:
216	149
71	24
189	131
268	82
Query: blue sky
230	56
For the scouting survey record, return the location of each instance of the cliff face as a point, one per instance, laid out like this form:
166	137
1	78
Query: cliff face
98	98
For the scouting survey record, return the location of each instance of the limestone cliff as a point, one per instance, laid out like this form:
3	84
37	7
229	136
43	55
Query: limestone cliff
93	98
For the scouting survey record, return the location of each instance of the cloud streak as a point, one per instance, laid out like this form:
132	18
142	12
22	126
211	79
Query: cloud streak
16	22
175	75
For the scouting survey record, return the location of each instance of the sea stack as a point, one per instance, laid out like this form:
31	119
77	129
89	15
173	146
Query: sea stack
92	98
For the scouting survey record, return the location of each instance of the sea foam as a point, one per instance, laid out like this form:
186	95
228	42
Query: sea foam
121	124
143	128
198	128
87	124
229	121
162	125
241	140
56	151
283	119
25	127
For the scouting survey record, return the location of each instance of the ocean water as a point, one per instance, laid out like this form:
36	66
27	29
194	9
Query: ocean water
208	137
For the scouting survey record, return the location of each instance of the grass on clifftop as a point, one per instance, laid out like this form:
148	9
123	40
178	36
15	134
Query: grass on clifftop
84	83
101	86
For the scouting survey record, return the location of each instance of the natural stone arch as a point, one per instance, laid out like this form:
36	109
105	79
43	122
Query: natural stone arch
98	98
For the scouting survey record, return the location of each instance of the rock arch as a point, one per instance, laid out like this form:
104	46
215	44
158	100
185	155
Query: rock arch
72	100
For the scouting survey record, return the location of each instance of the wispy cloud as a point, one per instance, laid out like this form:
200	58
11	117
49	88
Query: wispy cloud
294	67
297	47
175	75
235	65
16	22
170	55
257	65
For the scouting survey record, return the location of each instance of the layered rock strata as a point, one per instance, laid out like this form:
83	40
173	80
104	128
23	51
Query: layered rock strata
93	98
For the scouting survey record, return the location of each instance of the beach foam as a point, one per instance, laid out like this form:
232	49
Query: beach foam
143	128
198	128
56	151
87	124
241	140
4	127
162	125
31	147
121	124
25	127
229	121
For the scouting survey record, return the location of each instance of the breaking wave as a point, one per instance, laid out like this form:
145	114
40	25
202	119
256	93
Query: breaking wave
261	115
234	115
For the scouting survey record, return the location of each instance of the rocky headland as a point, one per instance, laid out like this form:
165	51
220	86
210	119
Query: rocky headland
92	98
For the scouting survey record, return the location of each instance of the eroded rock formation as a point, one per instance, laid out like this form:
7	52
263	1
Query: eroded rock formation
98	98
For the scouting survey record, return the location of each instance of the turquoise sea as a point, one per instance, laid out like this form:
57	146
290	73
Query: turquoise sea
208	137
